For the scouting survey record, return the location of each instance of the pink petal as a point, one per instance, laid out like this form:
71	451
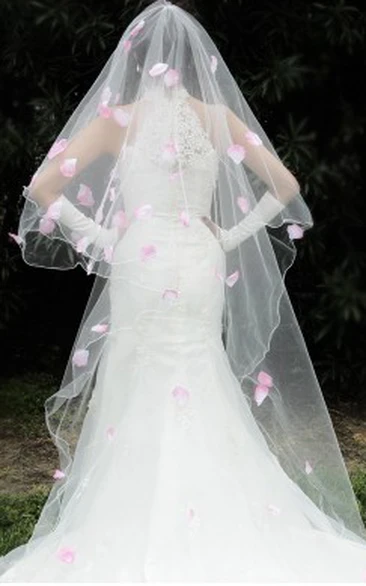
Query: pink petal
158	69
119	219
295	231
171	77
121	117
273	509
253	138
58	474
265	379
308	467
260	393
57	148
18	239
219	275
66	554
68	167
213	64
80	357
169	152
108	253
82	244
85	195
104	111
236	152
106	95
181	394
111	432
144	211
46	225
54	210
127	45
170	294
148	251
184	218
99	328
243	204
231	279
136	29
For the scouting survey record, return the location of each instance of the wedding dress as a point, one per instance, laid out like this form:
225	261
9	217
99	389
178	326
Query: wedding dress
179	472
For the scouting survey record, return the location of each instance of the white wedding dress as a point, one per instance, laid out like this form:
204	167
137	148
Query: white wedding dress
176	481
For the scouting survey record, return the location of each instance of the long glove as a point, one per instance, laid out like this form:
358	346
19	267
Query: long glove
265	210
65	212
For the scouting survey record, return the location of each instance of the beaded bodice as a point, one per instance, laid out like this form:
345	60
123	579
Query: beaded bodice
172	164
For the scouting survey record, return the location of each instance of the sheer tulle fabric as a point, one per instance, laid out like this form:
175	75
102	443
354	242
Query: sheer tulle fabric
153	186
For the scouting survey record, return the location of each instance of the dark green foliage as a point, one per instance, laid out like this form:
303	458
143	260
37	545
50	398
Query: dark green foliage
299	64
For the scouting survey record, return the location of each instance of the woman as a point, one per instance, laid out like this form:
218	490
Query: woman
194	441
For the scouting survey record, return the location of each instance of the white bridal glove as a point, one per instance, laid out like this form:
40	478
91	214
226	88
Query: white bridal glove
265	210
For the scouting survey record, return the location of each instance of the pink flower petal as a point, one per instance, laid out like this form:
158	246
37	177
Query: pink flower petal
144	211
170	294
243	204
236	152
213	63
80	357
68	167
111	432
184	218
265	379
85	195
169	152
181	394
308	467
54	210
126	45
46	225
82	244
66	555
121	117
136	29
18	239
260	393
253	138
108	253
158	69
295	231
119	220
148	251
99	328
219	275
57	148
58	474
231	279
171	77
104	111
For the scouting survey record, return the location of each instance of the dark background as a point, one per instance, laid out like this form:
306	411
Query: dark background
299	64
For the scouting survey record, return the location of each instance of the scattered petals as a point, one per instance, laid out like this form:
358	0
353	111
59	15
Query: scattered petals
18	239
253	138
158	69
104	111
108	253
260	393
265	379
57	148
85	195
119	220
170	151
127	45
82	244
171	77
213	64
54	210
99	328
80	357
46	225
308	467
68	167
148	251
295	231
219	275
184	218
58	474
66	554
231	279
243	204
144	211
170	294
111	432
121	117
136	29
181	394
236	152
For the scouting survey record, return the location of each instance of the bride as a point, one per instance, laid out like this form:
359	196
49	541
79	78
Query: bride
194	441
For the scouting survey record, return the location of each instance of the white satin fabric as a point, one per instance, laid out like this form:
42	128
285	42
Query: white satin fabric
172	478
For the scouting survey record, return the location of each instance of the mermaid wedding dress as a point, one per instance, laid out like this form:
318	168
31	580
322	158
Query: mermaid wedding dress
172	478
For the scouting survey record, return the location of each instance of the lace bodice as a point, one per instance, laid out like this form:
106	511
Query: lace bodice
172	164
